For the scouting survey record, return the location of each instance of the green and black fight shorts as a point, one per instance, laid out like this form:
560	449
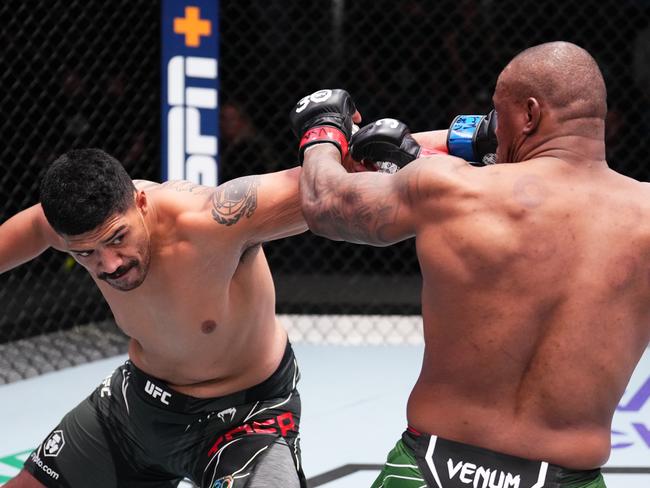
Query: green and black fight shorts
423	460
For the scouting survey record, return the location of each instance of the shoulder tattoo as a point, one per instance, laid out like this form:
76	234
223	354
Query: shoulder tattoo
235	199
182	185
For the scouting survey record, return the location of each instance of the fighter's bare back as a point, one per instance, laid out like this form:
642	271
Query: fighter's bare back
511	298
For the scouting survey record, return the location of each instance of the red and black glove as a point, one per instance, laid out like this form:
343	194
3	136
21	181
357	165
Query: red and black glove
324	116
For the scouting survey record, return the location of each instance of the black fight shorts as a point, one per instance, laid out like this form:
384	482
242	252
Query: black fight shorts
135	431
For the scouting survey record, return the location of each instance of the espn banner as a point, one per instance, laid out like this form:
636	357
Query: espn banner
190	89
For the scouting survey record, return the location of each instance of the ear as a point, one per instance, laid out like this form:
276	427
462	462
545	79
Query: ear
141	201
533	116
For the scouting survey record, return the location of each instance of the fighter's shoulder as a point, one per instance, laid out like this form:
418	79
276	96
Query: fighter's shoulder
442	174
145	184
189	188
183	194
638	196
178	200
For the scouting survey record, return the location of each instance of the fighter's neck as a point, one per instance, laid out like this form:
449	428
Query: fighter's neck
156	221
576	150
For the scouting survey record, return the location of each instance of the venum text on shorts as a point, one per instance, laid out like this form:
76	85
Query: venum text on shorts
455	465
471	474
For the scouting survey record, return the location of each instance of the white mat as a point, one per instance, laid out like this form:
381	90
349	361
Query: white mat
354	401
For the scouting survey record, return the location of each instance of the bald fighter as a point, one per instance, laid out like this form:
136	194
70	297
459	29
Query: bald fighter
536	296
209	389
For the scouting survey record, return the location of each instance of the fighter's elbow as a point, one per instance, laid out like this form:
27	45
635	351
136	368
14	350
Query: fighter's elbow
317	221
309	203
310	213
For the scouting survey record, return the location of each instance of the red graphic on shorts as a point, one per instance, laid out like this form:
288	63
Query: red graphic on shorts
282	424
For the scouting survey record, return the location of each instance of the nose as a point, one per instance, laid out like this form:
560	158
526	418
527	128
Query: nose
109	261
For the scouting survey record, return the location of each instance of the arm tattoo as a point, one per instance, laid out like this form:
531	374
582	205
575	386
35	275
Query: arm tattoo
235	199
355	219
351	212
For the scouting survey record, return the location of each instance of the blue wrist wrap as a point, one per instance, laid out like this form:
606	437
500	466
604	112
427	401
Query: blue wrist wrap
462	135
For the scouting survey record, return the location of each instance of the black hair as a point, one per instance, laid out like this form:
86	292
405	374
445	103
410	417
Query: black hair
82	189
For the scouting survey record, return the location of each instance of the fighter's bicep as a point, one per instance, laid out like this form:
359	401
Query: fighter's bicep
262	207
365	208
398	203
235	201
279	211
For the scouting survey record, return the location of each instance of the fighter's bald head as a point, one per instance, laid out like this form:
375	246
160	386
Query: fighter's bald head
559	74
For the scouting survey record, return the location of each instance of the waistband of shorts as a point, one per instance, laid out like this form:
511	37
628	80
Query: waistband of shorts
158	393
559	475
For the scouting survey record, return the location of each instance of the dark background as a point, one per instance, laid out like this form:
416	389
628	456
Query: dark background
86	74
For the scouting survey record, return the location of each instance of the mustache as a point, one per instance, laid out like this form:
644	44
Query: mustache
118	272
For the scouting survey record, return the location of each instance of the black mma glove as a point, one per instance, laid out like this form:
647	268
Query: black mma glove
473	138
470	137
323	116
387	140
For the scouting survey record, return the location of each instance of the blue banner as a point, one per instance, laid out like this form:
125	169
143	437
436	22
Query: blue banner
190	91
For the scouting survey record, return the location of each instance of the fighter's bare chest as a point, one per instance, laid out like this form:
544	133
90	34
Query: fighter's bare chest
190	291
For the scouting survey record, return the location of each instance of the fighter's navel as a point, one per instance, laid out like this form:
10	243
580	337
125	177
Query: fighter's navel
208	326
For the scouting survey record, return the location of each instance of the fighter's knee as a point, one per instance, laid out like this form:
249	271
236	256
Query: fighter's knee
24	480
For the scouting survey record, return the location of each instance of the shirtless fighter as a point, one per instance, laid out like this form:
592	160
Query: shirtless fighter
536	289
209	390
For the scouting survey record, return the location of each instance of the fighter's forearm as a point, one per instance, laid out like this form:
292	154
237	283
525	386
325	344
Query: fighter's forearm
434	139
342	206
319	200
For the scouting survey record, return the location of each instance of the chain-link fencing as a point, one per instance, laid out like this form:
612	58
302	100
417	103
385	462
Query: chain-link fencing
75	73
86	74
